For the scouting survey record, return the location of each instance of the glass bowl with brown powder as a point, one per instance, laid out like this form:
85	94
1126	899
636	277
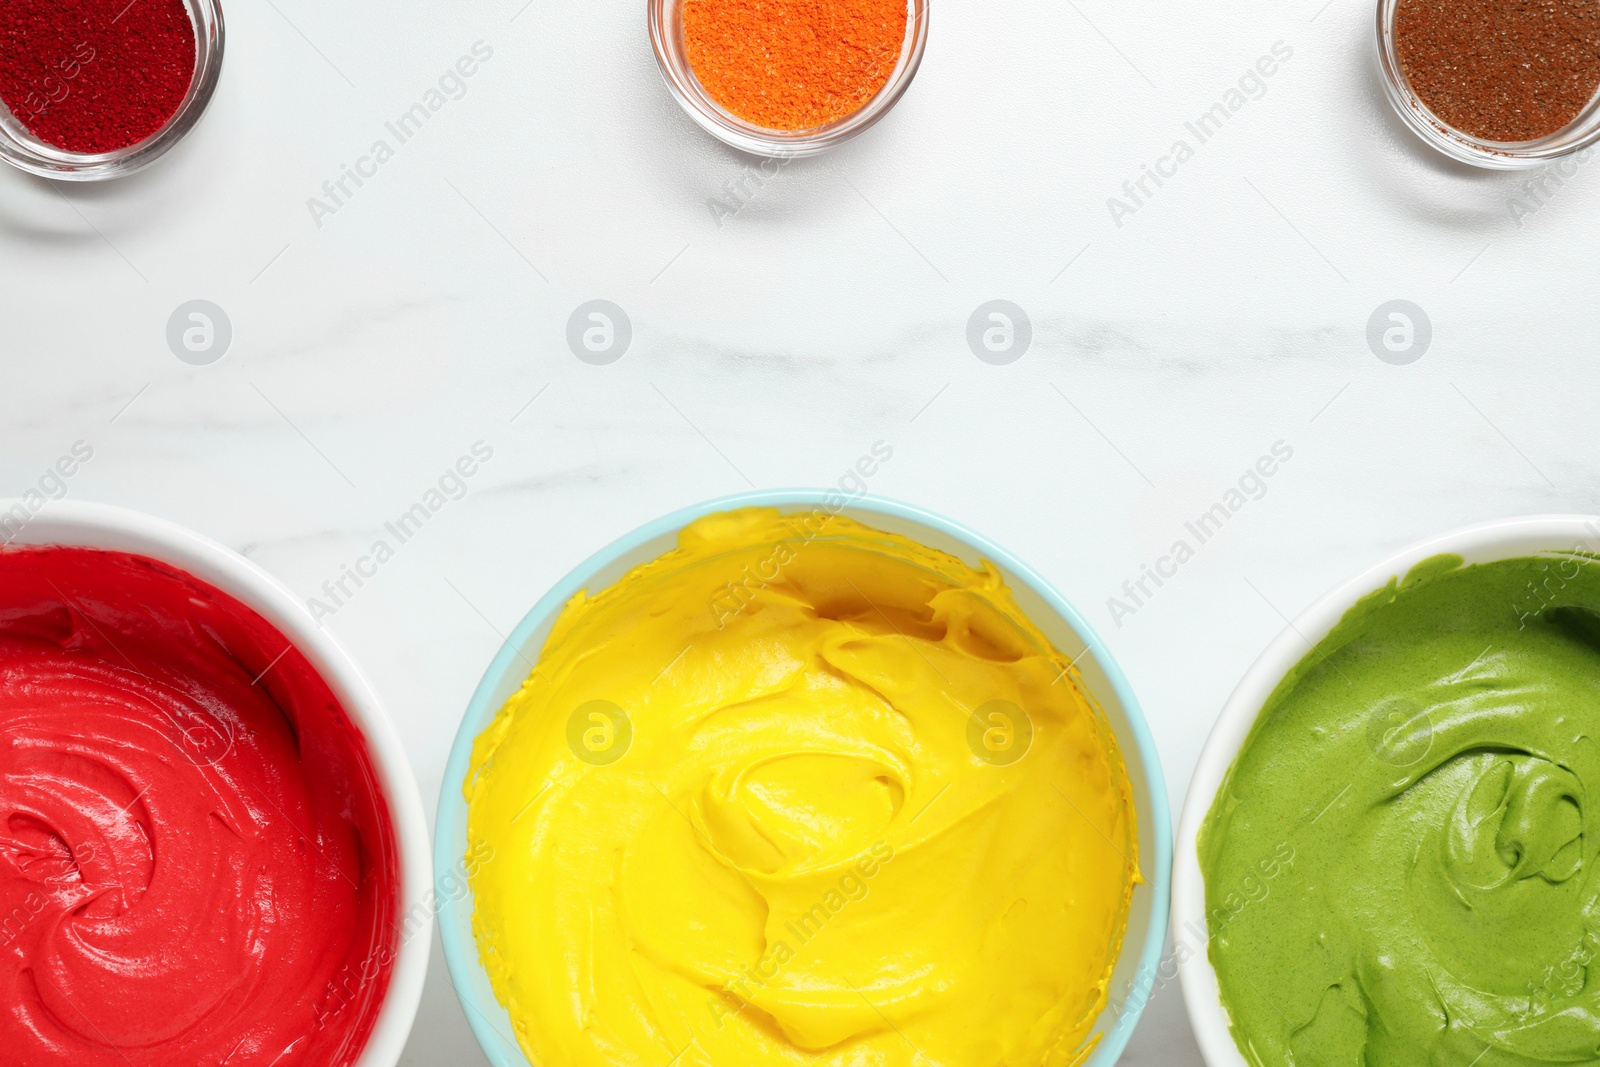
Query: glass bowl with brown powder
788	78
1502	84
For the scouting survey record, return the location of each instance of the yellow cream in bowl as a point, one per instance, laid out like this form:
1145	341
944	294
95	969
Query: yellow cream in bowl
800	791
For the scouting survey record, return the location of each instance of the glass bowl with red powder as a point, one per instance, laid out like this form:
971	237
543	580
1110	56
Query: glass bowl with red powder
788	78
94	89
1499	84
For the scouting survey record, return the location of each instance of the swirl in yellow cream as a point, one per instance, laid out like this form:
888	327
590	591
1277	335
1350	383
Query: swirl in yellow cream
800	791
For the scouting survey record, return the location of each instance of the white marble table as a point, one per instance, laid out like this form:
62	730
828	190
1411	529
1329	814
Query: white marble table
1172	345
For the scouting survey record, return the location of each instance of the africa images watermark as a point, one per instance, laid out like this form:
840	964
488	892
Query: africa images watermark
850	887
346	987
1399	332
1191	939
738	192
54	88
1566	980
1251	485
1539	596
732	597
199	332
451	485
1251	85
999	732
999	332
451	85
68	869
51	485
1537	191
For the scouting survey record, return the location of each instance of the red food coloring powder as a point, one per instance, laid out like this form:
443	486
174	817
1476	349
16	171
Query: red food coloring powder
95	75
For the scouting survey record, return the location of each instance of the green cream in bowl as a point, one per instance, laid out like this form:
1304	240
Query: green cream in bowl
1388	857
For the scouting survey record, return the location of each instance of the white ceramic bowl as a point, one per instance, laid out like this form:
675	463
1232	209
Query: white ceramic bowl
1483	543
103	526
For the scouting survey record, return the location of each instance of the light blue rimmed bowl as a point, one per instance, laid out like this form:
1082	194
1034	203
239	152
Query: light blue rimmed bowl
1067	629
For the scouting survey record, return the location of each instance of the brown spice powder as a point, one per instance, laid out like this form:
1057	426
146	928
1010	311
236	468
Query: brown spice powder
1502	70
793	64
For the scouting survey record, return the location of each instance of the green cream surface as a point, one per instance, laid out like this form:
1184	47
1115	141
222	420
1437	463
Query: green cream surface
1400	867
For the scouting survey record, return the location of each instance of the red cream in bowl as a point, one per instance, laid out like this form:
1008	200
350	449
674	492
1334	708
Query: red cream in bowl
197	865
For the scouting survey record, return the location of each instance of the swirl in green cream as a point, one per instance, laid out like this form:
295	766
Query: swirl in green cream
1429	763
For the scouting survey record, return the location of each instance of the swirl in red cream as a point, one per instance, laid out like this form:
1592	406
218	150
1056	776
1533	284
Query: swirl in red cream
196	864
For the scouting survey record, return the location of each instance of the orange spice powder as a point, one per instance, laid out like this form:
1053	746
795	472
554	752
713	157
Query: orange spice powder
793	64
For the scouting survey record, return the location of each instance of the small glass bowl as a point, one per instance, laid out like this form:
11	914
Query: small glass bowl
23	150
666	37
1577	135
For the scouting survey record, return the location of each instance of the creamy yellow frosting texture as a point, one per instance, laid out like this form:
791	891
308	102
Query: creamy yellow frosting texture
800	791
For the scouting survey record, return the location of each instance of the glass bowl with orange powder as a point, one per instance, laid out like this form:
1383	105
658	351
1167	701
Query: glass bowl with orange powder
788	78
